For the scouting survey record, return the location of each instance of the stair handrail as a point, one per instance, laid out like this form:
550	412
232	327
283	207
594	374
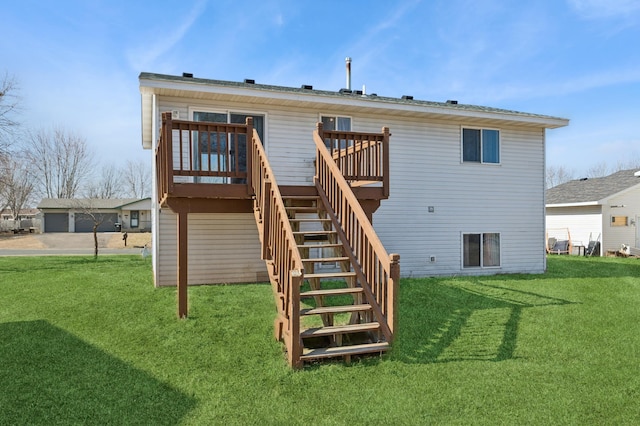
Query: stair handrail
279	248
377	271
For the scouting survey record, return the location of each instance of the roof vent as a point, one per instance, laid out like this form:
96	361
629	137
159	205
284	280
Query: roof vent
345	91
407	97
583	179
452	102
249	81
187	75
307	87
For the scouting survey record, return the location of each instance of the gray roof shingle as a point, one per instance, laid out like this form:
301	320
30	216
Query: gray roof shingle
592	190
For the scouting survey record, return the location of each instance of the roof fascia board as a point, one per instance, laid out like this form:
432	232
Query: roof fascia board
583	204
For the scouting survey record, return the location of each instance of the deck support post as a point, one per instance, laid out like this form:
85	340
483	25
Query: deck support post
182	264
394	293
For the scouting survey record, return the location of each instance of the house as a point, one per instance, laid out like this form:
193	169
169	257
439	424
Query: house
450	188
27	219
77	215
607	208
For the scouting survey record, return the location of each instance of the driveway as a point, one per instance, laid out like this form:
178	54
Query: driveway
69	244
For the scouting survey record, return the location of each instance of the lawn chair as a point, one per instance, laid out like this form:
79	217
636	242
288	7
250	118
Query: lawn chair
593	249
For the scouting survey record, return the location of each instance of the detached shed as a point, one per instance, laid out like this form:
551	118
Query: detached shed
608	207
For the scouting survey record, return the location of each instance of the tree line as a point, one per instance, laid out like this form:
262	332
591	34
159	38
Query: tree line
556	175
56	163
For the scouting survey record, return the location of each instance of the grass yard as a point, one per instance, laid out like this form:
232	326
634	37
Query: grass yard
92	342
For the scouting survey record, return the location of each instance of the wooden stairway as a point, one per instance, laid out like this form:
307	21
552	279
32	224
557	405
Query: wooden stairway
335	319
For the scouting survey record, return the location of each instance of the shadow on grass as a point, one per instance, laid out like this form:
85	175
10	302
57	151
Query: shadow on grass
461	320
49	376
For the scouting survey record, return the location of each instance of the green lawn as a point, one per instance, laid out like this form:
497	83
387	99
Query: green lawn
92	342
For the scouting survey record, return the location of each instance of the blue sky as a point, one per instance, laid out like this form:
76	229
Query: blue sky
77	62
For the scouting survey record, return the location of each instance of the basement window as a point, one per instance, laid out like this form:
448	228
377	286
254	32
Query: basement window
481	250
481	146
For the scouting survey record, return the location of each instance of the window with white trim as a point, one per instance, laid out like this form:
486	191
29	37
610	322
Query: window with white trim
480	146
481	250
330	122
210	151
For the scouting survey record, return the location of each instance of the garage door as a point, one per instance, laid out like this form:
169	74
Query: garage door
56	222
84	222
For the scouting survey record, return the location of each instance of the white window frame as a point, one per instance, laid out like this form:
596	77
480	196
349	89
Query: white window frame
462	161
336	116
481	233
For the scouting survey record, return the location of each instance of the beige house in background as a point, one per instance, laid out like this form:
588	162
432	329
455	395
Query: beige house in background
118	214
607	208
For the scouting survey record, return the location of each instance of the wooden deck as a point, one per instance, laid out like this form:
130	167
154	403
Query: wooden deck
221	168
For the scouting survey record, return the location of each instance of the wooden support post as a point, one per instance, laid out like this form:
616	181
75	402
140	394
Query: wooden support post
295	348
385	161
249	154
266	221
394	293
182	264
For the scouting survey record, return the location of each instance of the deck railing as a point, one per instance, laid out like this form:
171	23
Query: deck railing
377	272
363	158
191	152
279	249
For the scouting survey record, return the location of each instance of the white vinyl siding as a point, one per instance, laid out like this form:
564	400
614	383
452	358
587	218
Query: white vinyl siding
583	222
425	170
223	248
627	204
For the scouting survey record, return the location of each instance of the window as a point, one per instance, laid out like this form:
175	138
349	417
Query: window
216	152
481	250
481	146
336	123
619	220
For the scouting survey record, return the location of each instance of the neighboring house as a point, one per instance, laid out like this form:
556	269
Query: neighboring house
27	219
606	207
77	215
246	190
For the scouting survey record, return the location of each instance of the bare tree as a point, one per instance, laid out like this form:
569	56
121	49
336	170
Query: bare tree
558	174
90	211
136	178
9	103
600	169
62	162
106	185
16	186
632	162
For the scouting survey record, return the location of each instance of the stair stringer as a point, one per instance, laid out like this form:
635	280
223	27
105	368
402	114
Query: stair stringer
356	264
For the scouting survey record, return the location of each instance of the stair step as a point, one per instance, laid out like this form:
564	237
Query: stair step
332	291
332	245
309	219
300	197
325	259
301	209
335	309
310	354
331	275
340	329
314	232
